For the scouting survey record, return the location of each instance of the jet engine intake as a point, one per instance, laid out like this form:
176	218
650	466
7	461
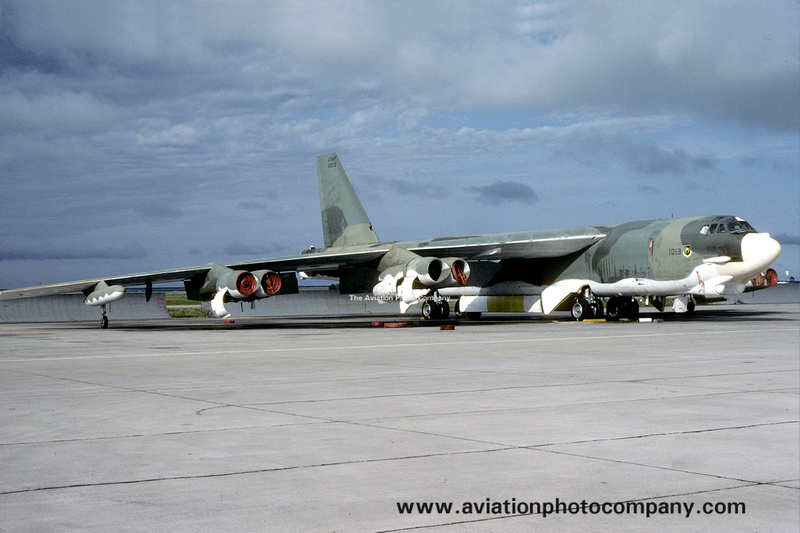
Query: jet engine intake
772	278
419	277
459	271
429	270
235	284
239	283
268	283
436	273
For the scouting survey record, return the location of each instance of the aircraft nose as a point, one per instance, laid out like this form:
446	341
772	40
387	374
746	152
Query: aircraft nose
760	248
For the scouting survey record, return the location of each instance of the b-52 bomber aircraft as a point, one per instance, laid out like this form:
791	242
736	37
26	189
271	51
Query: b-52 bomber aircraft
543	271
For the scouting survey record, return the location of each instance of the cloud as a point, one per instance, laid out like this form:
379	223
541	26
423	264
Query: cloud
785	238
159	211
502	191
135	251
253	205
78	112
648	158
239	249
704	60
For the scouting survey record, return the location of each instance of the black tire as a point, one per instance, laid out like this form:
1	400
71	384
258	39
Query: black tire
444	309
580	309
428	310
613	309
690	306
631	310
597	308
104	322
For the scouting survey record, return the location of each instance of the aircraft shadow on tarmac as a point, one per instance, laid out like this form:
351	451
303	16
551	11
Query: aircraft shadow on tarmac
703	314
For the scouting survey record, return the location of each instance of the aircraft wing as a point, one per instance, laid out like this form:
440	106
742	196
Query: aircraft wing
317	260
494	247
311	261
163	276
487	247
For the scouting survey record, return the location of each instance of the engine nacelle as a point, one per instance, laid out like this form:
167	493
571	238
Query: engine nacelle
419	277
239	283
459	271
429	271
772	278
435	272
763	280
268	283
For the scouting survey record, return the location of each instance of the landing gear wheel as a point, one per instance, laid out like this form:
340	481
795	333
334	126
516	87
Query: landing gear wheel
690	306
443	308
581	309
429	310
597	308
631	310
613	309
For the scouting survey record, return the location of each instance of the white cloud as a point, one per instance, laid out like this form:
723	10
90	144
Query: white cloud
66	111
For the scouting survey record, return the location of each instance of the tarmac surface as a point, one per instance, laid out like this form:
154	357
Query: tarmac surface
333	424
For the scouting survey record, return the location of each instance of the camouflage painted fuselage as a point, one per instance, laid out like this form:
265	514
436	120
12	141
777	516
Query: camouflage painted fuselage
660	250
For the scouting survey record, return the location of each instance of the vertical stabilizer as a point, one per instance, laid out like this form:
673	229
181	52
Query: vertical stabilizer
344	221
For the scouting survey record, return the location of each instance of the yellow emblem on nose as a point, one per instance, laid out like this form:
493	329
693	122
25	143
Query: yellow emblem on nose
687	250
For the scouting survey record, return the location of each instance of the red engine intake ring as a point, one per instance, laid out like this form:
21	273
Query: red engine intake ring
246	283
772	278
457	270
271	283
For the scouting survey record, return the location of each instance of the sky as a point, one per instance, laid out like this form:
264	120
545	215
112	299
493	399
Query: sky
145	135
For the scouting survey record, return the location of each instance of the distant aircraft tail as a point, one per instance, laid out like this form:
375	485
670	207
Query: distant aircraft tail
344	221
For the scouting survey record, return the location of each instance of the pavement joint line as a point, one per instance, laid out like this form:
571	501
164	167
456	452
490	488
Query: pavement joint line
289	360
749	482
663	443
258	406
500	448
252	471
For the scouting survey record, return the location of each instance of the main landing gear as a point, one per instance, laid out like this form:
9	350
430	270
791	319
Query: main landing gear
622	307
435	308
586	306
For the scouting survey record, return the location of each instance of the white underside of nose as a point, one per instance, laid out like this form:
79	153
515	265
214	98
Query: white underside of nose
759	250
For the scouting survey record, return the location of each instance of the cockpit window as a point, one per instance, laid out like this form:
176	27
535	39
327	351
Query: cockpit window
740	226
735	226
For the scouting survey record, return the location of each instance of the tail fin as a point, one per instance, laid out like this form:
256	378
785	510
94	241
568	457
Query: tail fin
344	221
